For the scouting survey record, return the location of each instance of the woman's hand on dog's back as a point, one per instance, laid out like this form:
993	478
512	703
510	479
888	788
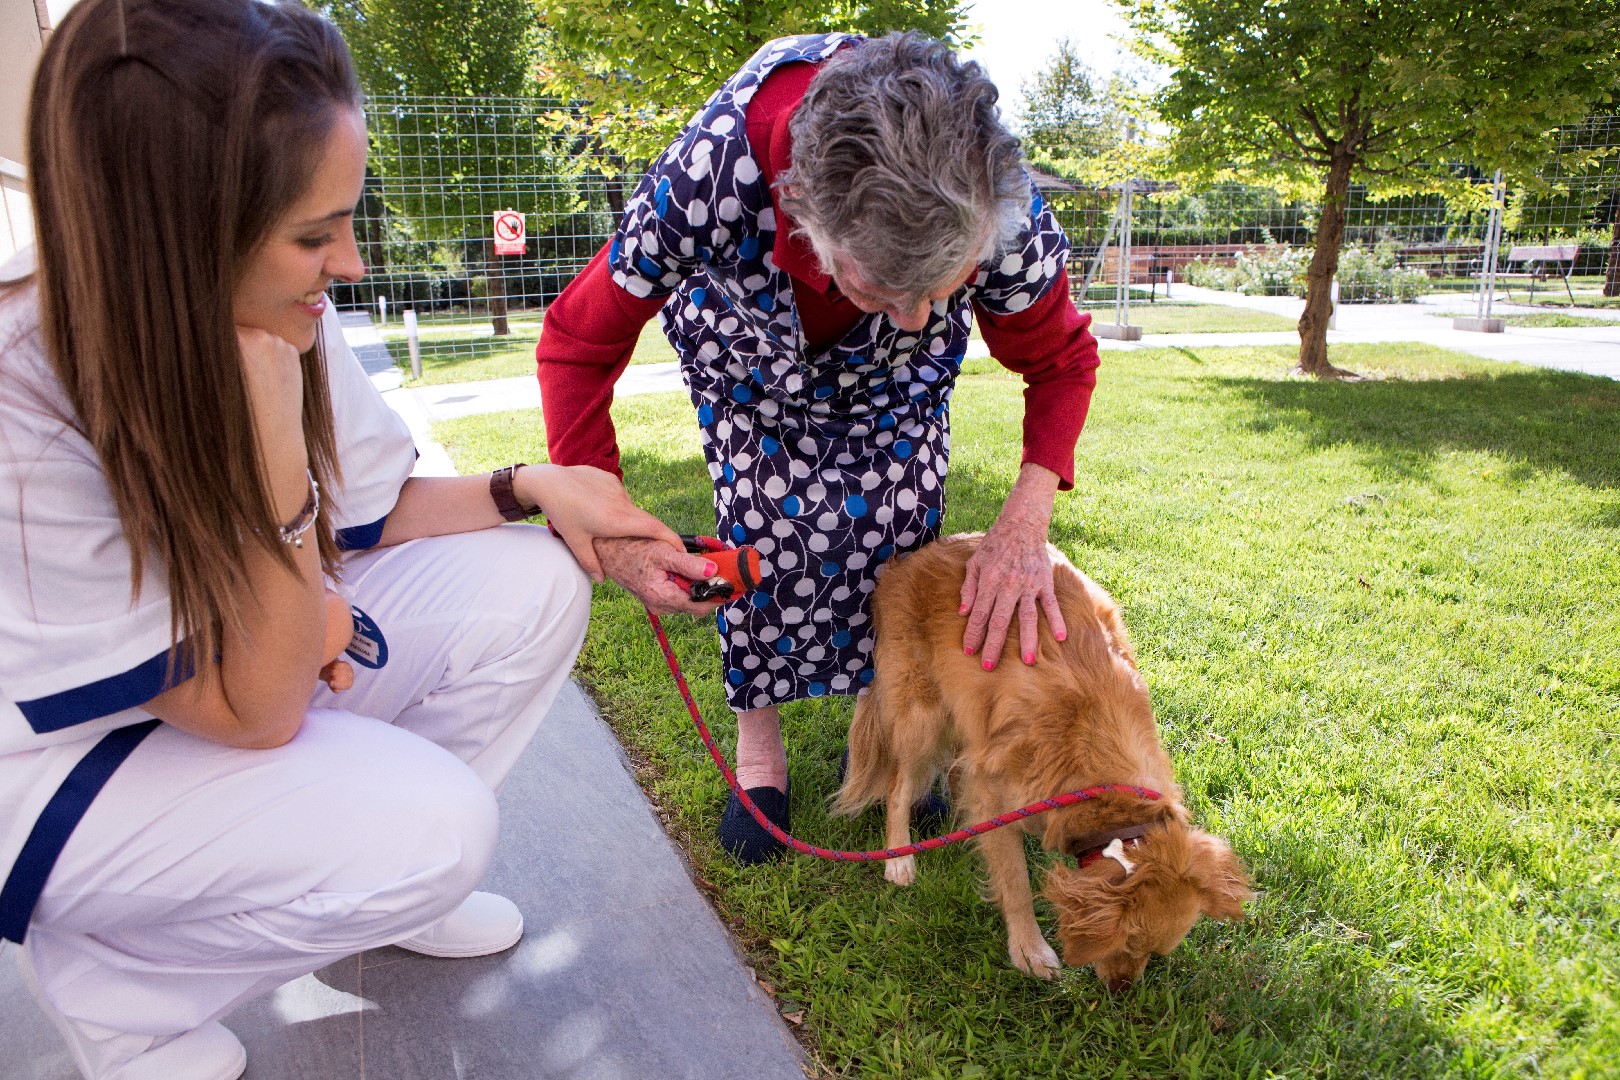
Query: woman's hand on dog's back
1010	575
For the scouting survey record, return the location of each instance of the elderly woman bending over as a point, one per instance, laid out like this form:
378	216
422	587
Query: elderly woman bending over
817	244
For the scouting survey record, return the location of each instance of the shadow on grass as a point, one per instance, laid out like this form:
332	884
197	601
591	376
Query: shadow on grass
1547	420
674	489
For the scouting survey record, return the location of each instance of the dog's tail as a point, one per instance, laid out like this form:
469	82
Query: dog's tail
871	758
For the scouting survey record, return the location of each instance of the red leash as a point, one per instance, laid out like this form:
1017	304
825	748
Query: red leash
878	854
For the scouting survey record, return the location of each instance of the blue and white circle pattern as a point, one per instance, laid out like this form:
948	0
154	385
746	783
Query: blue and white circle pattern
829	462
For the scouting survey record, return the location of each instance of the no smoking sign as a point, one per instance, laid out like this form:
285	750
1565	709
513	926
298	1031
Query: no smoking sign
510	234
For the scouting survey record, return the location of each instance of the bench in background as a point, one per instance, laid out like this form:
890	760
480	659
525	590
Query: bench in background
1541	263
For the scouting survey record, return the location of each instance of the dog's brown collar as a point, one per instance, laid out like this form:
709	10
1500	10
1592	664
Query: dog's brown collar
1089	848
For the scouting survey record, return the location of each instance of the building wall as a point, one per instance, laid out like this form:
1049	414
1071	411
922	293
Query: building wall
16	212
23	26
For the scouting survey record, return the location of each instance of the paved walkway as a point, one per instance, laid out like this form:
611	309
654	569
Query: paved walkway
1592	349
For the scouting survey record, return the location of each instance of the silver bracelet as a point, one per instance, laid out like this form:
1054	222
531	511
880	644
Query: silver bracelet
293	532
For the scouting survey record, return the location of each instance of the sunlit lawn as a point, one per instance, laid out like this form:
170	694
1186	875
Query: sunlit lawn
1380	624
463	348
1542	319
1183	317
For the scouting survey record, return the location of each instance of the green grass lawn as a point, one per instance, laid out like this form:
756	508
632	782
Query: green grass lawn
454	348
1183	317
1541	319
1582	300
1379	622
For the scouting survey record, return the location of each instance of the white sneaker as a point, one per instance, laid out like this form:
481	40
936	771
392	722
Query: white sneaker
483	924
209	1052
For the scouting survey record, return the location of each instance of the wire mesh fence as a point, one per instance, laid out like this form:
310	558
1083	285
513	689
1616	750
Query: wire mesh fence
1558	238
440	170
442	167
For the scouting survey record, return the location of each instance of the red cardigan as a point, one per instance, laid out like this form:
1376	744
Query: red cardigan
590	331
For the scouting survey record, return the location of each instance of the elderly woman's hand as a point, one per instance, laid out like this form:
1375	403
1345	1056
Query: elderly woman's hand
1010	575
643	568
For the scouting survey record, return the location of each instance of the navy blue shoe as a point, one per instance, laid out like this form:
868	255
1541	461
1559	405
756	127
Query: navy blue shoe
929	814
743	838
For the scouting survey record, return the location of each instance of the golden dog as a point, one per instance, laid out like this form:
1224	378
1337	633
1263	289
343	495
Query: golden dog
1079	717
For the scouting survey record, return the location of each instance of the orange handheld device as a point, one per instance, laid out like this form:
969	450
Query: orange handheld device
737	569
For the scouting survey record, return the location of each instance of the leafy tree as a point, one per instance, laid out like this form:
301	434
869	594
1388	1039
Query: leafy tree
448	166
1326	91
443	48
1078	126
641	68
1064	114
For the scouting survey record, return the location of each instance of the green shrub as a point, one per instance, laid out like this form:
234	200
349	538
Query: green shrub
1205	275
1366	275
1369	276
1274	270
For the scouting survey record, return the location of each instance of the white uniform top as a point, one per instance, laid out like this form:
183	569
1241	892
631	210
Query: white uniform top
78	653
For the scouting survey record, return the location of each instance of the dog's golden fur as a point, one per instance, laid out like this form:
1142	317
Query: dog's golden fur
1079	717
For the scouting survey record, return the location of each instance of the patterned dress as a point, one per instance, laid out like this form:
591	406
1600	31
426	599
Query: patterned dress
828	462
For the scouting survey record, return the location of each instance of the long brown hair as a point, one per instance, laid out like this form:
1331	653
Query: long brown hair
165	139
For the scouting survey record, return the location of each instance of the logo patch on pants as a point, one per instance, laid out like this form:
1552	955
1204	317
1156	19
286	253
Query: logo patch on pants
368	648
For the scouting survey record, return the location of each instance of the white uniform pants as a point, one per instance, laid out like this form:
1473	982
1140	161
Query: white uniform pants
203	876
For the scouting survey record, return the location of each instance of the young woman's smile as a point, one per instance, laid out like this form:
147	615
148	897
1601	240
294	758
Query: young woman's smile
283	285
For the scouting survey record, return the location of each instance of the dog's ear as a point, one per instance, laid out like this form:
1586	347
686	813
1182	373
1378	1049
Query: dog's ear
1091	914
1223	884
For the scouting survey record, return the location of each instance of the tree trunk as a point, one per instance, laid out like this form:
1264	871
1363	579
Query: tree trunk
370	218
496	276
1611	279
1313	324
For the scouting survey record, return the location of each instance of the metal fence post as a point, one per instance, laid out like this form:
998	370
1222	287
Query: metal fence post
1492	245
1122	295
1482	321
412	342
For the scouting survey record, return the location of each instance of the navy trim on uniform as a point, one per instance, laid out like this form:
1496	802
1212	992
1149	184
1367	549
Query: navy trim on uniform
104	697
56	823
361	537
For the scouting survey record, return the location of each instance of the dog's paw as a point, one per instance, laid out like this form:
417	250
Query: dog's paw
1035	958
901	871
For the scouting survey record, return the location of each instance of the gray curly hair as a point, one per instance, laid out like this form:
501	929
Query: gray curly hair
901	168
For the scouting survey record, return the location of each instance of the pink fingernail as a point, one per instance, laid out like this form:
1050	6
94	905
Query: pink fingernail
967	650
989	665
963	610
1062	635
709	569
1029	658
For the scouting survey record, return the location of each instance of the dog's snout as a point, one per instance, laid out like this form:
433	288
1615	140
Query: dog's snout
1120	983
